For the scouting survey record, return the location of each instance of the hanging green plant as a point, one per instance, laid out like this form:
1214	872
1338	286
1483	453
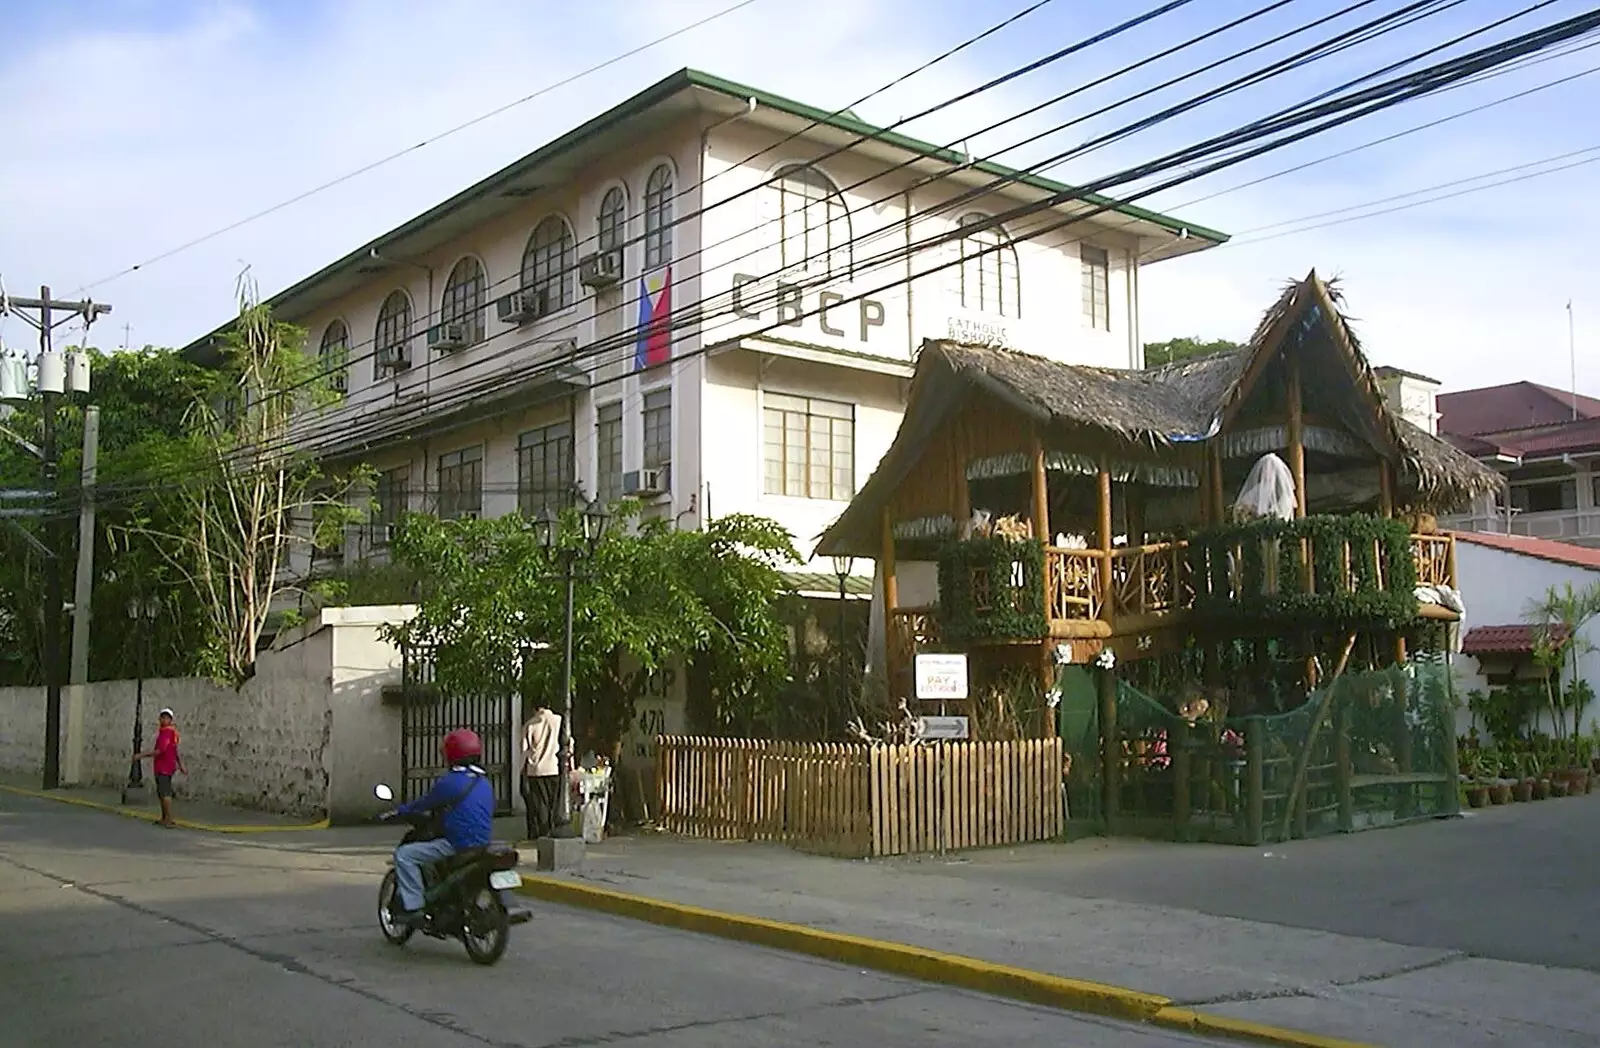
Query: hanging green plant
992	589
1234	566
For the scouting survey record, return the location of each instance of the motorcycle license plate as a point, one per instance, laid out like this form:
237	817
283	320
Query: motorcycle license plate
500	880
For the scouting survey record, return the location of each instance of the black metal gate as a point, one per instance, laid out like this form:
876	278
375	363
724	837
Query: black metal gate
428	713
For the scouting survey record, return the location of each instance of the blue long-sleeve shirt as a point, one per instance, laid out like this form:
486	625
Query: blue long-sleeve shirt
467	794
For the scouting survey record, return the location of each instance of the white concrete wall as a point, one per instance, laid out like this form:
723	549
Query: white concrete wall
1497	587
307	735
735	467
741	237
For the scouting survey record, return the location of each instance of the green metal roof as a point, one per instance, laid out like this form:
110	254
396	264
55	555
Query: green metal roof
825	582
648	99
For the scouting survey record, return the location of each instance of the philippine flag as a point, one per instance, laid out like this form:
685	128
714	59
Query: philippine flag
654	345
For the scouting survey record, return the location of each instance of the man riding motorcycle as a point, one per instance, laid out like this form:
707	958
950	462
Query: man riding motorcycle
464	797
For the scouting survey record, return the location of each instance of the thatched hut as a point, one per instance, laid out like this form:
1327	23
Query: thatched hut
1122	478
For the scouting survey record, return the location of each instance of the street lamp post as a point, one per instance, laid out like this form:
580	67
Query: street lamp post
547	529
842	567
141	613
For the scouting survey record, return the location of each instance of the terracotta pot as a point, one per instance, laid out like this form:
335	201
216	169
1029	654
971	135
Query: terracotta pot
1594	765
1478	796
1523	791
1558	787
1541	789
1500	793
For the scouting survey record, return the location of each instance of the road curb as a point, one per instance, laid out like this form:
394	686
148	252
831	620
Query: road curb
917	962
1244	1030
150	816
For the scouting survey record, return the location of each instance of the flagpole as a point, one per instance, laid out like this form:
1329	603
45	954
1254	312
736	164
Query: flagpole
1572	355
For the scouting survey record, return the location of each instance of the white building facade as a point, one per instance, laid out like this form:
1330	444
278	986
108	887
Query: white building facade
707	297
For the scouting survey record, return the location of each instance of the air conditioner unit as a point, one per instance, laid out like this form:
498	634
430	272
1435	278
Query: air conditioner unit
396	358
647	483
519	307
601	270
445	337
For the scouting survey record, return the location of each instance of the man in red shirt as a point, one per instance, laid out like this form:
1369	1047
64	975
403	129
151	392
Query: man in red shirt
164	762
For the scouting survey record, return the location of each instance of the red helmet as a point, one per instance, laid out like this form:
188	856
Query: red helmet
461	744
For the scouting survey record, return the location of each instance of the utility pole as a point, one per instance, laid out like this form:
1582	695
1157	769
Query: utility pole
54	380
1572	356
82	594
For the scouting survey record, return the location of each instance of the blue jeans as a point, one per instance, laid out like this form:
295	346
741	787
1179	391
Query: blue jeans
409	859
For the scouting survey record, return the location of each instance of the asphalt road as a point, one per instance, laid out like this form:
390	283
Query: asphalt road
117	933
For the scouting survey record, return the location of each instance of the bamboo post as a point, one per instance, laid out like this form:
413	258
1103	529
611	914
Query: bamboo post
1386	488
1297	448
1254	761
1178	744
891	598
1297	785
1110	750
1104	536
1450	561
1041	490
1344	769
1219	500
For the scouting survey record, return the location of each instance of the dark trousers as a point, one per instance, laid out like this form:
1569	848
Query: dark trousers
542	795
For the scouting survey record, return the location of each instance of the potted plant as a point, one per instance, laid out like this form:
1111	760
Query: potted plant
1522	786
1473	767
1533	767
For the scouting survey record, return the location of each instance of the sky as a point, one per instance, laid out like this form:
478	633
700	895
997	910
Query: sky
134	127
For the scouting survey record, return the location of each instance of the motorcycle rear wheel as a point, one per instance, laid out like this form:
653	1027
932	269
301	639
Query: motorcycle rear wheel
487	928
389	895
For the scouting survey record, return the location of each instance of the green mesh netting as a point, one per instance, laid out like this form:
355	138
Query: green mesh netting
1369	749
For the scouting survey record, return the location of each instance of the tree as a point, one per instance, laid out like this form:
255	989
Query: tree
1559	618
1173	350
144	398
238	496
649	593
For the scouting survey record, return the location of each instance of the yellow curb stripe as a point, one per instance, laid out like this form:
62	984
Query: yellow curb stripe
914	961
1244	1030
926	965
150	816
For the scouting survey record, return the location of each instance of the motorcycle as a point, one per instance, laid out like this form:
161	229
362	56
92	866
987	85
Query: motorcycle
466	897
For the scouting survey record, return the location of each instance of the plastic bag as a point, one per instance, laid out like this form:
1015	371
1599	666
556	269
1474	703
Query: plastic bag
1268	491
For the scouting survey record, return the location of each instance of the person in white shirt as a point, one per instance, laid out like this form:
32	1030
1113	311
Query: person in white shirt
541	770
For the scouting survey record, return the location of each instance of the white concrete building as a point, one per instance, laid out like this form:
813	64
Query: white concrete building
1502	576
492	346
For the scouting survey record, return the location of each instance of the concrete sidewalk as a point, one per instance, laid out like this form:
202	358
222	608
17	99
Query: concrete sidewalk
142	804
1013	907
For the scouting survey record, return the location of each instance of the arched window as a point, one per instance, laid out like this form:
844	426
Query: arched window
658	217
548	262
333	357
612	226
813	222
989	281
391	339
463	298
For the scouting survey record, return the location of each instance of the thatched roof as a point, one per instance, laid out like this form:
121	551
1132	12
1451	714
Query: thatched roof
1162	409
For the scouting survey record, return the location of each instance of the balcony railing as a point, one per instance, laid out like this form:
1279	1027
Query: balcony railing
1580	526
1322	570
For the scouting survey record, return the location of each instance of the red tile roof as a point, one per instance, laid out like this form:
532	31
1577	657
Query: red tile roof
1504	409
1544	549
1504	640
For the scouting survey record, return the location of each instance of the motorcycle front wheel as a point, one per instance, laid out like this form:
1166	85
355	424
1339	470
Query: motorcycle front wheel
487	928
388	896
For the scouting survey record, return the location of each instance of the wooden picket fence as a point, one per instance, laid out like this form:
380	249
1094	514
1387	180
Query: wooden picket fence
856	800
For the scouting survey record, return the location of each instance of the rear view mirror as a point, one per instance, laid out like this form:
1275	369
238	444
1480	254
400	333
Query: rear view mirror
383	792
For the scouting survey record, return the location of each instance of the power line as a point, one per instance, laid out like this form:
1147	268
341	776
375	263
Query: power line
1317	119
875	134
408	150
1293	61
1430	200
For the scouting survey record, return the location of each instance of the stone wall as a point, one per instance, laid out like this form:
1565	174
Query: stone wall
308	735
